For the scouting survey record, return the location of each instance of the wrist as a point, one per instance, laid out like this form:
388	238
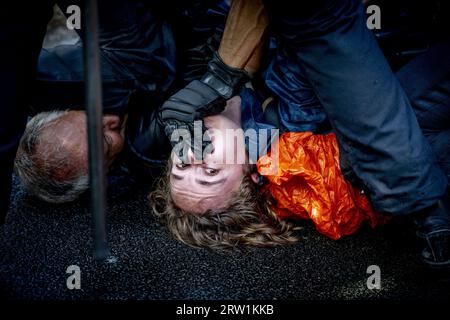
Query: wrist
225	80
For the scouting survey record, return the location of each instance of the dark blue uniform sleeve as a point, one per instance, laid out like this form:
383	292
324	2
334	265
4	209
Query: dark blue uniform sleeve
137	51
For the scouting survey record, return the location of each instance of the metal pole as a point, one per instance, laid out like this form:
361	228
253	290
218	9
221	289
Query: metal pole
93	91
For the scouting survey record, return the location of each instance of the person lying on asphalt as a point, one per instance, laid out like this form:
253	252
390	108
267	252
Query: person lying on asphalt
383	151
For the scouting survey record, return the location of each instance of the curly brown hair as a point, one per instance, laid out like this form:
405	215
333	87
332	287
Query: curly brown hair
246	220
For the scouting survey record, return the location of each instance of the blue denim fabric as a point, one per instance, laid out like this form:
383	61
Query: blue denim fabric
297	105
252	118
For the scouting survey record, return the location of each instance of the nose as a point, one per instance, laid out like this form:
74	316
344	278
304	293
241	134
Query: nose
111	122
190	156
185	154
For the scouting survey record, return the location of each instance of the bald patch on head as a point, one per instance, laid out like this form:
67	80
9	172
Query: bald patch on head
67	137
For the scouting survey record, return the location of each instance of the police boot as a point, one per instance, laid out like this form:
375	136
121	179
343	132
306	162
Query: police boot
434	227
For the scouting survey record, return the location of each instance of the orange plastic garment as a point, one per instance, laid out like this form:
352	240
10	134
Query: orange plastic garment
308	183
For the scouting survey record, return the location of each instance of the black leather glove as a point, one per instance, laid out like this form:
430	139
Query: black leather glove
146	147
202	98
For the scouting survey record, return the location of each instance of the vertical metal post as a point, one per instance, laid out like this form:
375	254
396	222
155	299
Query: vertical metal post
93	91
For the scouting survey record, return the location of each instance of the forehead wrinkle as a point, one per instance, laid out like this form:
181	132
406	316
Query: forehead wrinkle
191	194
193	201
194	204
186	184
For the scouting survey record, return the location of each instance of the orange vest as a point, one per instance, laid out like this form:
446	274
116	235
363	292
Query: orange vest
308	183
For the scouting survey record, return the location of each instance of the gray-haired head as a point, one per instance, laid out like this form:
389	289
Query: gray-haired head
51	162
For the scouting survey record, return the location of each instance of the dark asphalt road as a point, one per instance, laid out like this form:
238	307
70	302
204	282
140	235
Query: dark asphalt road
39	241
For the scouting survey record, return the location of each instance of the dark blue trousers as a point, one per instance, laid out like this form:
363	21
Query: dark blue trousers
426	81
382	146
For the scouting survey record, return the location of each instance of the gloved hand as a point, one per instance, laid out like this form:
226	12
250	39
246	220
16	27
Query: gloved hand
146	144
202	98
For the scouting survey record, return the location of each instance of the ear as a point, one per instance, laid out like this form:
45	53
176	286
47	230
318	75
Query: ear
255	177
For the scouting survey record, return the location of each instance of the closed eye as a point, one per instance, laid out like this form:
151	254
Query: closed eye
210	183
211	171
182	166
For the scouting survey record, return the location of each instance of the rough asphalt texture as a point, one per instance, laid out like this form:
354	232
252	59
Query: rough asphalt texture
39	241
